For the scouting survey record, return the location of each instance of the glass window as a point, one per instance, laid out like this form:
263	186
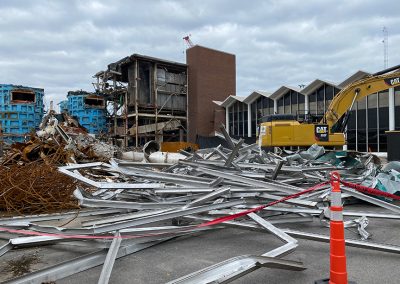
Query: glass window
361	126
328	96
294	109
361	116
262	104
362	104
259	109
327	104
235	112
384	99
351	124
397	108
320	100
230	120
258	103
397	96
294	97
237	118
266	105
253	110
245	120
384	118
362	140
382	141
280	106
301	103
240	112
271	106
372	115
312	103
328	92
372	140
335	91
397	117
286	99
241	118
372	101
253	118
259	116
351	139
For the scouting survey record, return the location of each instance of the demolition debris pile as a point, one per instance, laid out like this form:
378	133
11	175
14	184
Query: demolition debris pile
136	205
61	140
30	182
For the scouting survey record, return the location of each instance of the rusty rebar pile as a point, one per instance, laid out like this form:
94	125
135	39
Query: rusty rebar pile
35	188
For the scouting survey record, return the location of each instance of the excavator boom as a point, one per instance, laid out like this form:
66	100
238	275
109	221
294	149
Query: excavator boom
356	91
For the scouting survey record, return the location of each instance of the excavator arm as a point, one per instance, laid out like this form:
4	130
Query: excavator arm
345	99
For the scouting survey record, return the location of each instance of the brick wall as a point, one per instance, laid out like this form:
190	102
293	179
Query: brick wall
211	77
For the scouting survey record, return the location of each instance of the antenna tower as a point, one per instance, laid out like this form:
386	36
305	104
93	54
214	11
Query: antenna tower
385	42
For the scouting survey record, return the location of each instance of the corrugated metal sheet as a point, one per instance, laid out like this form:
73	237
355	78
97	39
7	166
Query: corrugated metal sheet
175	102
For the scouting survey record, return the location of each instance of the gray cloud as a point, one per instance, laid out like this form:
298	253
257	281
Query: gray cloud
59	45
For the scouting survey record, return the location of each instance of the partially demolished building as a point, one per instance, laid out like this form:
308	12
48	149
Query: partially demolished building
149	96
21	111
157	99
89	109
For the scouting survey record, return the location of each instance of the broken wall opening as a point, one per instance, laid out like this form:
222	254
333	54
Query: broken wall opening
94	101
23	96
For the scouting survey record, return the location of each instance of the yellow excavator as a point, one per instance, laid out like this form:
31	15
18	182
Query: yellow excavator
285	130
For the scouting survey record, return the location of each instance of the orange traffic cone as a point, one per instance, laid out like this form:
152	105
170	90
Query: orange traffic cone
338	270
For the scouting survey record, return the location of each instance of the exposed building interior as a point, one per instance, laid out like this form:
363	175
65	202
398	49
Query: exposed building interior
22	96
149	99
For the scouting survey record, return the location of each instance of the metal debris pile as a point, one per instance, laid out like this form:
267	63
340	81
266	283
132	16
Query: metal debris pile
136	205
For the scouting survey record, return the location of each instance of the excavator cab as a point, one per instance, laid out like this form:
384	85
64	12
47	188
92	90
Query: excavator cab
284	130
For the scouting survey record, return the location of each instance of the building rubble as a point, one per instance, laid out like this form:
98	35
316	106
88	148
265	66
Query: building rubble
60	140
127	206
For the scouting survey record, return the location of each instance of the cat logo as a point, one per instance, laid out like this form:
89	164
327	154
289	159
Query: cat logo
321	129
321	132
392	81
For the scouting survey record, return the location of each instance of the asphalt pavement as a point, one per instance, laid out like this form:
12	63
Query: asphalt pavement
183	255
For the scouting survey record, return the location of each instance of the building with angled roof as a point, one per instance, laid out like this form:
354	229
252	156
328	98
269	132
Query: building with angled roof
369	118
318	94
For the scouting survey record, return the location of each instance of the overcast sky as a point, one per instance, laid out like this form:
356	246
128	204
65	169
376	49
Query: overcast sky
59	45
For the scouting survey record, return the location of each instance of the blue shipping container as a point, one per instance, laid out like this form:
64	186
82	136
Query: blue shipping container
21	111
